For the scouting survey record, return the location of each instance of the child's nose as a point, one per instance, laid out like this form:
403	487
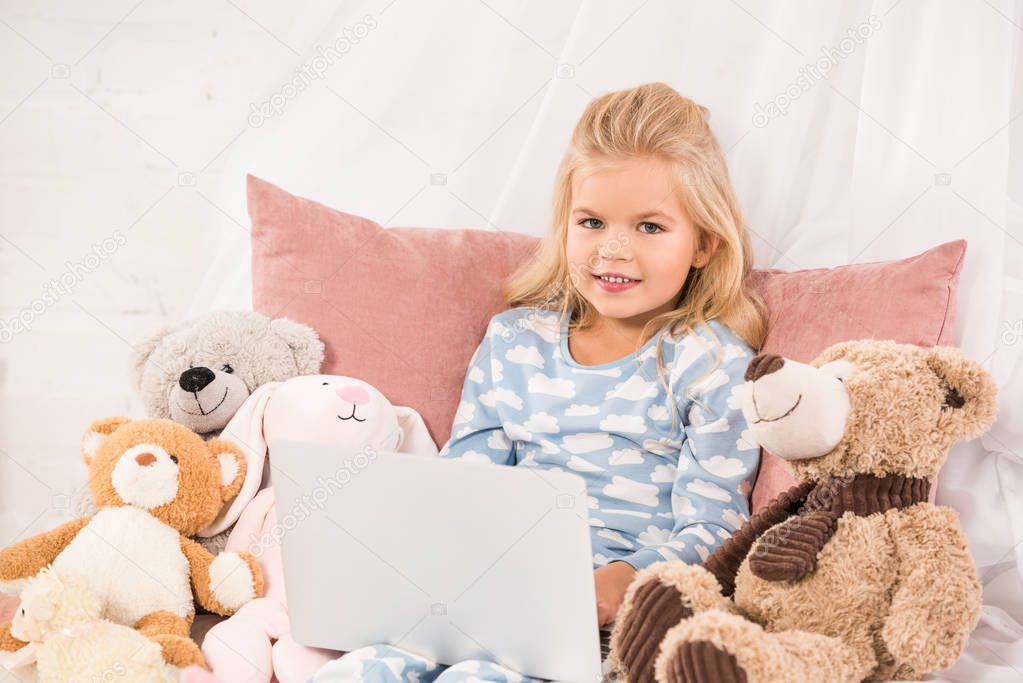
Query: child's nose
353	394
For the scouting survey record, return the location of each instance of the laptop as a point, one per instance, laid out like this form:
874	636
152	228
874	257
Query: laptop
447	559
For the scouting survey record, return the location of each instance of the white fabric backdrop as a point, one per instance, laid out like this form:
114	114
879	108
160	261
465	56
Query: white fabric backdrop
895	126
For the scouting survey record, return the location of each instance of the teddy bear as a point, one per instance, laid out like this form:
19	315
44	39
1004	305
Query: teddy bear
69	642
851	574
199	373
157	483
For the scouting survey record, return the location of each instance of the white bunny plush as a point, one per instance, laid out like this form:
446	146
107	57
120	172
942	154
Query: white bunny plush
324	409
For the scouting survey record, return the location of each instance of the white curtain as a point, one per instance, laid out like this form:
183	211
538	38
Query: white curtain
856	131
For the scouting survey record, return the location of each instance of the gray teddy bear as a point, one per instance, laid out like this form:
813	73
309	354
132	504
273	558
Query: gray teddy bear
199	373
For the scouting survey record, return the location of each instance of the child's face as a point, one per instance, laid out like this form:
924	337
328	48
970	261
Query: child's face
628	219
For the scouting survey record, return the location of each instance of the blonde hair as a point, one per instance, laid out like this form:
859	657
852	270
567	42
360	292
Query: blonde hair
653	120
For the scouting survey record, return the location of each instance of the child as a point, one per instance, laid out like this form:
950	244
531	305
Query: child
628	333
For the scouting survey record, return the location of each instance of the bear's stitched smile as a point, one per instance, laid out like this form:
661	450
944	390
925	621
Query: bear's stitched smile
775	419
198	403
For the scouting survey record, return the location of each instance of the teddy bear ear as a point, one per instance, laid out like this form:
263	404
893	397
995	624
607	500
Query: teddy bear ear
305	345
970	391
97	433
143	349
232	466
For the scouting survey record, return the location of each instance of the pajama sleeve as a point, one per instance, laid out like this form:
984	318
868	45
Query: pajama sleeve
716	466
477	433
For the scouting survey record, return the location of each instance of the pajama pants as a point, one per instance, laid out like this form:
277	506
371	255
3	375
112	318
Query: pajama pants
390	664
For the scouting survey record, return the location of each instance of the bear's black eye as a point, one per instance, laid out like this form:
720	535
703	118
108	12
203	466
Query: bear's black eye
324	384
953	399
226	367
174	459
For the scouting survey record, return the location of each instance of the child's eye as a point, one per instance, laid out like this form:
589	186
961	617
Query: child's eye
584	222
654	225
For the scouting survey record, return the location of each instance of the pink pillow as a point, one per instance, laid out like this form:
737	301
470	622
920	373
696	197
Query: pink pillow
404	308
911	301
400	308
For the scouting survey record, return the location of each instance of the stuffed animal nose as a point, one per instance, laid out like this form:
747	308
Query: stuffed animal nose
145	459
353	394
196	379
764	364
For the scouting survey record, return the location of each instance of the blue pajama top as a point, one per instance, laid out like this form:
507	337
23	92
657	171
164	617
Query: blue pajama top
654	493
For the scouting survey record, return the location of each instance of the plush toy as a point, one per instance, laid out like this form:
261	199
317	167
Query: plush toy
200	372
256	643
851	574
68	642
157	482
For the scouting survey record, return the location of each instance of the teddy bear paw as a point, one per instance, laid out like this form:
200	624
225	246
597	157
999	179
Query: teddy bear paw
699	661
179	651
234	579
648	613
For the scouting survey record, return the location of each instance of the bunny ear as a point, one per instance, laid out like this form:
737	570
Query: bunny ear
970	402
246	431
413	436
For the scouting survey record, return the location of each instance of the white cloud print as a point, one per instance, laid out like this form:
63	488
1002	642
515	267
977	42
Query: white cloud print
630	424
581	410
542	422
464	412
654	536
658	412
546	326
723	467
636	492
495	369
586	443
475	375
746	441
517	432
708	489
682	506
732	518
499	441
663	474
582	465
500	394
626	456
542	384
526	355
634	389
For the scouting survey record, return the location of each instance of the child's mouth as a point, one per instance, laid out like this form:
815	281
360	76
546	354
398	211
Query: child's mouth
615	286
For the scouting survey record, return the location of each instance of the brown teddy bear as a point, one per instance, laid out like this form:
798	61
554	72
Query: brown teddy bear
851	574
156	483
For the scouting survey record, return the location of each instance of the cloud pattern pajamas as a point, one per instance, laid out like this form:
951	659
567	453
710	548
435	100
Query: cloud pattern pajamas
654	492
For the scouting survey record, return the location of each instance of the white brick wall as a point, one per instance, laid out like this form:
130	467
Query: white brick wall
103	107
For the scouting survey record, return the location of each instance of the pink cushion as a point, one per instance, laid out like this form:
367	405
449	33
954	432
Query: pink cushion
404	308
911	301
400	308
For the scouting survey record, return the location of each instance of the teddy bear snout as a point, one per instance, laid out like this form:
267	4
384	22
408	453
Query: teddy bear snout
196	379
763	364
145	459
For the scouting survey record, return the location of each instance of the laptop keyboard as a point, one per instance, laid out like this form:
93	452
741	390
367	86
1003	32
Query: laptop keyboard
605	644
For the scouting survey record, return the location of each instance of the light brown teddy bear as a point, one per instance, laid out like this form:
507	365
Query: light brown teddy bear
851	575
156	483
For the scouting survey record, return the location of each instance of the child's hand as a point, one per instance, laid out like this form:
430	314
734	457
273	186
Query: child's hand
611	581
